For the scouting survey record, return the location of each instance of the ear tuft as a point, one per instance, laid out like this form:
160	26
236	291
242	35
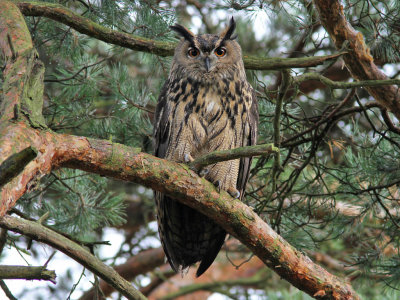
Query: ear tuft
183	31
227	33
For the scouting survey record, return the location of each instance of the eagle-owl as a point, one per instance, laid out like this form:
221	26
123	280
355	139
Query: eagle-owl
205	105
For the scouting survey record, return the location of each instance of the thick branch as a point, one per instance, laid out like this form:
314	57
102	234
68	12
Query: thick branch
42	234
16	47
358	60
28	273
224	155
179	182
83	25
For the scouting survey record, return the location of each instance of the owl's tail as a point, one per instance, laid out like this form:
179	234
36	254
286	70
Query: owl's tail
187	236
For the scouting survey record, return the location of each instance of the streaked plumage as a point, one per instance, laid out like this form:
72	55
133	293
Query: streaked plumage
206	104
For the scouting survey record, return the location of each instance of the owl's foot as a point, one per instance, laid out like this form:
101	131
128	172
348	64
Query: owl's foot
187	158
234	193
203	172
218	185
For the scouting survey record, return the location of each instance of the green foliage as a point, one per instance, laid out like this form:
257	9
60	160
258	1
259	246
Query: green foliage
330	163
378	21
77	203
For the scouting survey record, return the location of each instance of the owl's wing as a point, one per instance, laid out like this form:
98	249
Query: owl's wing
249	139
162	125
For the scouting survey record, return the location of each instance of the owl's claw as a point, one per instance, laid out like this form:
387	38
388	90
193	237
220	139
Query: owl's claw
188	158
203	172
218	185
234	193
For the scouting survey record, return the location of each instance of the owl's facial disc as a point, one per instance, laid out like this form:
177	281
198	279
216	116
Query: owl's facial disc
206	60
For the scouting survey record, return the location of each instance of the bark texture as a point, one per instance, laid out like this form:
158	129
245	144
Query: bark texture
358	60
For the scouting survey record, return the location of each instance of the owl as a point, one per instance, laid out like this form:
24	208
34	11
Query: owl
206	104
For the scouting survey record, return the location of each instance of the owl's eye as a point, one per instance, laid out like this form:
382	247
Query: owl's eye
220	52
193	52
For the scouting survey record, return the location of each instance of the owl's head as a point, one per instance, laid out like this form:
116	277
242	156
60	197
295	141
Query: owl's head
208	57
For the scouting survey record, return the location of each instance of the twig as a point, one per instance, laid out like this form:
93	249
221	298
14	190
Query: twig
73	250
224	155
14	164
320	122
6	290
388	121
277	139
133	103
78	72
344	85
3	239
28	273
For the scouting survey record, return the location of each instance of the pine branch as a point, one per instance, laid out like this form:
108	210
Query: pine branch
42	234
345	85
27	273
6	291
179	182
83	25
358	60
224	155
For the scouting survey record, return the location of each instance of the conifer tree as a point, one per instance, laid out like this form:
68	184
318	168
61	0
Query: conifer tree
78	88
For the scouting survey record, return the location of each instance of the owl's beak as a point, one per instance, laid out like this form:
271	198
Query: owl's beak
207	63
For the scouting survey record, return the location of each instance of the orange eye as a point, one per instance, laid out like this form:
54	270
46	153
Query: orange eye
220	52
193	52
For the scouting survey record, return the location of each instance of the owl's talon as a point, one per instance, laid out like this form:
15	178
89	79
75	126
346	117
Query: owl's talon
187	158
204	172
234	193
218	185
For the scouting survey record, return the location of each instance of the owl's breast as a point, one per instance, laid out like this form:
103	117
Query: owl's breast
212	108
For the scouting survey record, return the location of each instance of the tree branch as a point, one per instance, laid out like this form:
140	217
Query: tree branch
224	155
83	25
358	60
179	182
6	291
28	273
345	85
14	164
42	234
